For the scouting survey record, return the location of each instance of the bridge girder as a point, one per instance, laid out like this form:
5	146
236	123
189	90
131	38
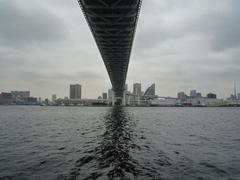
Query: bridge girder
113	24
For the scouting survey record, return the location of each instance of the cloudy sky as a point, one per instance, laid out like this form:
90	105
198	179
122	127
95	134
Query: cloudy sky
180	45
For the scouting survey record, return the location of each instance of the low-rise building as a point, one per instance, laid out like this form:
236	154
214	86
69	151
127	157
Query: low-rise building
211	96
6	98
163	102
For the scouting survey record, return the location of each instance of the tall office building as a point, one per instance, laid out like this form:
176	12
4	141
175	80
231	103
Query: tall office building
54	97
110	94
20	94
6	98
198	95
104	95
181	96
137	89
75	91
193	93
235	91
150	91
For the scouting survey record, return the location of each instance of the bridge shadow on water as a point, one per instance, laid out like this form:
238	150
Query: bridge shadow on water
111	158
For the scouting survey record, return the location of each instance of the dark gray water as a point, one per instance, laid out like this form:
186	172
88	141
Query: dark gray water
119	143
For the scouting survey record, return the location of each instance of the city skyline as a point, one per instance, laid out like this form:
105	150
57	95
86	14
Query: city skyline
75	92
136	97
190	47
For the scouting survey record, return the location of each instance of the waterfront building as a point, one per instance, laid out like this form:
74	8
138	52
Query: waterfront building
110	94
211	96
30	100
198	95
214	102
196	101
193	93
163	102
150	91
137	89
235	91
104	95
232	97
46	101
54	98
75	91
182	96
232	102
20	94
6	98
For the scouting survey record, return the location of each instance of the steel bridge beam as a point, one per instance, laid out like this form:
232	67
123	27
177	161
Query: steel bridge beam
113	24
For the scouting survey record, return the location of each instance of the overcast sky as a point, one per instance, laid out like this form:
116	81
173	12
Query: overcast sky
179	44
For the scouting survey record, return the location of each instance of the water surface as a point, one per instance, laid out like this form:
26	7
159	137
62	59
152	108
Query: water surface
119	143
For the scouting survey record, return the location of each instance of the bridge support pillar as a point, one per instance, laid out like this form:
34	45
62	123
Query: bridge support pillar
113	98
138	100
119	100
124	98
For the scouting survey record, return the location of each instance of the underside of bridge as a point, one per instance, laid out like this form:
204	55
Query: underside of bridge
113	24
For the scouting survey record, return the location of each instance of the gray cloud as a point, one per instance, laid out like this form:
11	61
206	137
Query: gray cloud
23	26
179	45
174	19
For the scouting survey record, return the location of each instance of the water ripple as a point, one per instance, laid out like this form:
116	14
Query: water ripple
119	143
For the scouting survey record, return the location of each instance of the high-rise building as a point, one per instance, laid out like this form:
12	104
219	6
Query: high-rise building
6	98
150	91
104	95
137	89
193	93
238	96
75	91
181	96
232	97
20	94
54	97
198	95
110	94
235	91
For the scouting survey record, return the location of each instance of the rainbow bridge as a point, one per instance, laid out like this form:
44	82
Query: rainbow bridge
113	24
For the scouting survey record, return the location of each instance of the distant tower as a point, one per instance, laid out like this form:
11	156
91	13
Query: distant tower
104	95
137	89
75	91
235	91
54	97
110	94
193	93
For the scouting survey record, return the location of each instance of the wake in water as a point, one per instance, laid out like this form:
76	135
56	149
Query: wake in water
111	158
